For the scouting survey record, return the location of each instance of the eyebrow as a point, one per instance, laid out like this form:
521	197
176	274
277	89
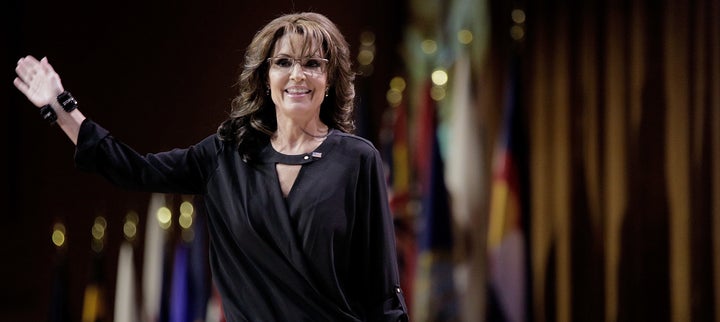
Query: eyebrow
284	55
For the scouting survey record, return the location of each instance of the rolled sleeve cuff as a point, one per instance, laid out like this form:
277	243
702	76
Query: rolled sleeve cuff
394	308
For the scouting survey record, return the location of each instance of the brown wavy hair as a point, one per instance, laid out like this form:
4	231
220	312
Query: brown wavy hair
252	119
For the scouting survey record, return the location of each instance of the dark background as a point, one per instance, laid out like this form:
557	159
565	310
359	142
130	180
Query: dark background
620	97
158	75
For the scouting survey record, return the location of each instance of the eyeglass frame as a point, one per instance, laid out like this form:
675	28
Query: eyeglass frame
298	61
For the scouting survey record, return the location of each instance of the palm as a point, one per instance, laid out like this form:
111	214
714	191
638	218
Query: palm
37	80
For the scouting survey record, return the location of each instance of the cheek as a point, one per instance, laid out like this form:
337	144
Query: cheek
276	95
321	85
276	87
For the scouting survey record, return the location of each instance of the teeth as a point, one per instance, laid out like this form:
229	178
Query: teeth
297	91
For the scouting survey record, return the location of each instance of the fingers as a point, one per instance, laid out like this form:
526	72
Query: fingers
30	59
23	72
27	68
20	85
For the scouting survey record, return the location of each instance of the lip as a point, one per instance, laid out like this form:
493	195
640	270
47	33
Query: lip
297	90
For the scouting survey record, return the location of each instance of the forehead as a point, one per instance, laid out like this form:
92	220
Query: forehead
295	44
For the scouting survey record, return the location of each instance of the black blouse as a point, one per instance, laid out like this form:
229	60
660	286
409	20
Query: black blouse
326	252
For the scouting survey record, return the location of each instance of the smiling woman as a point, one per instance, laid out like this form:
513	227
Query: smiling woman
297	90
297	206
301	36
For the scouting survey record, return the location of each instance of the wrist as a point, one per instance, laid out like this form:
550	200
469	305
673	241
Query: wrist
61	108
67	101
47	112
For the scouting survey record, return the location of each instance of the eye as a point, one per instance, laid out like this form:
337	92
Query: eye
313	63
283	62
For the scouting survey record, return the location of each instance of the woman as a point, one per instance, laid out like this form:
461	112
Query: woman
298	216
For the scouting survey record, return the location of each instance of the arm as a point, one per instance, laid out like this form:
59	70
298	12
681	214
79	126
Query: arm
179	170
386	301
39	82
176	171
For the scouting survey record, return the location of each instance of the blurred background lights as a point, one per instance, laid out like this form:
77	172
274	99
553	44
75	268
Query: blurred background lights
186	208
58	235
517	32
186	212
394	97
98	233
366	53
164	217
429	46
398	83
367	38
365	57
439	77
465	36
394	94
98	228
185	220
518	16
437	93
130	226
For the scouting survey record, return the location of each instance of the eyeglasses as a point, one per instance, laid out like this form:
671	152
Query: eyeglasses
311	66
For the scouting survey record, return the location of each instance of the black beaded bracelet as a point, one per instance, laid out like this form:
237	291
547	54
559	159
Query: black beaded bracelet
48	114
67	101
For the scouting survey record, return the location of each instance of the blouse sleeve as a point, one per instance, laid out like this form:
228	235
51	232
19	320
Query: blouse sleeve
382	279
176	171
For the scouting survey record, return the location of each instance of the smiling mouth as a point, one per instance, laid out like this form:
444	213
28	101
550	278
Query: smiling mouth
297	91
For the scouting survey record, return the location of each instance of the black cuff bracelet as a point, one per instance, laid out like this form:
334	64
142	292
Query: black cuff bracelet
67	101
48	114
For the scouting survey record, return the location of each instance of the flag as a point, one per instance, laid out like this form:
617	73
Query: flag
166	283
400	172
198	257
94	298
506	236
94	306
434	296
467	187
399	183
154	257
125	295
179	294
189	289
214	312
424	134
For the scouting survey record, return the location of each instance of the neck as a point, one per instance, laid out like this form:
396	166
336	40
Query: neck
295	137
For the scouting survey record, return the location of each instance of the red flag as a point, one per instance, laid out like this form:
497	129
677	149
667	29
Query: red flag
424	138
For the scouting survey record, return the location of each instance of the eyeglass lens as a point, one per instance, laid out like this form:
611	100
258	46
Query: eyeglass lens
308	64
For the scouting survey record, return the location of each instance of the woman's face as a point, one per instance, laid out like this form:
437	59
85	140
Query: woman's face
297	83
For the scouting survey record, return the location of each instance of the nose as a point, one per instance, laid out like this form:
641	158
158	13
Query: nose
296	71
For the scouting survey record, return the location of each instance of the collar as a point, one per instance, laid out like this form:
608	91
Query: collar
269	155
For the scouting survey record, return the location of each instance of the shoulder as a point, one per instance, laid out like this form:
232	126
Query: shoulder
211	142
354	145
210	147
354	148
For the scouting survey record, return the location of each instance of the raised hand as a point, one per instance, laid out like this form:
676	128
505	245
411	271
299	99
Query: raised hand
37	80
